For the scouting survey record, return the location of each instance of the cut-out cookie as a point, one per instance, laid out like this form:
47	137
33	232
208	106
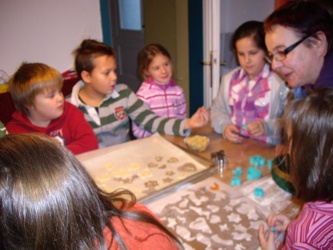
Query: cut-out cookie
258	192
235	181
187	167
145	173
121	173
127	180
102	178
172	160
109	166
253	173
158	158
134	166
151	184
169	173
152	164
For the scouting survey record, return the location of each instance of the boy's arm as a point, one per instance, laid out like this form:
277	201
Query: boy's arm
83	138
3	130
144	118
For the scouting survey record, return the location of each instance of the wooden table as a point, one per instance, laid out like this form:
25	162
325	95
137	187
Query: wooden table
237	154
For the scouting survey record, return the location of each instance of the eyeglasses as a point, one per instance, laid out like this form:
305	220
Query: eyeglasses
281	55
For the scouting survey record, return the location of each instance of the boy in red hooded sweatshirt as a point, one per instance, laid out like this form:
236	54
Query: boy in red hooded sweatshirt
41	108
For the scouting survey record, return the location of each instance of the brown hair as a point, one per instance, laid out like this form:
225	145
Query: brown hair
146	56
30	80
305	18
309	122
85	54
49	201
252	29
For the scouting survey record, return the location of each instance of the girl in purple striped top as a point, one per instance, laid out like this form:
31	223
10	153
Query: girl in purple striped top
309	125
158	90
251	97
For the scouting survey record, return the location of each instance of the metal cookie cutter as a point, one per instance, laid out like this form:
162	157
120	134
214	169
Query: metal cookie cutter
219	159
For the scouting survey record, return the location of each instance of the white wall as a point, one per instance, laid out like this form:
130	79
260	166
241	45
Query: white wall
236	12
45	31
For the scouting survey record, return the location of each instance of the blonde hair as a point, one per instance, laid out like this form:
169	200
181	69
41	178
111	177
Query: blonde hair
31	79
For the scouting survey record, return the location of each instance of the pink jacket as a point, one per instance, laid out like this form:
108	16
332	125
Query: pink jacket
164	100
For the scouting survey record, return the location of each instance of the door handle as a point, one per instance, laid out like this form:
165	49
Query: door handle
210	63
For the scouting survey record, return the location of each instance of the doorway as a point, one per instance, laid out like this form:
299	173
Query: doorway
127	39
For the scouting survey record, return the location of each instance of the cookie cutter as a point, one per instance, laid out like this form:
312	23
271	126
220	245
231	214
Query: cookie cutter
219	158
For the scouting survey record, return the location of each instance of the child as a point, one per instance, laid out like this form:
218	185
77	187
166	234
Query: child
158	90
49	201
109	107
249	99
36	92
309	123
3	130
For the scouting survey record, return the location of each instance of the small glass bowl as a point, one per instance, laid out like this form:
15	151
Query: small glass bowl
197	142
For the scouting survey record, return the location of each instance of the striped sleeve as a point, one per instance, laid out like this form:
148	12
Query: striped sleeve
145	119
312	229
3	130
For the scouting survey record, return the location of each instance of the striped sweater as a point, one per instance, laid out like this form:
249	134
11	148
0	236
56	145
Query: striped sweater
111	123
312	229
3	130
164	100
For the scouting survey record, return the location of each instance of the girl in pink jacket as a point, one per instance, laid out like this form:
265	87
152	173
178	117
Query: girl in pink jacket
158	90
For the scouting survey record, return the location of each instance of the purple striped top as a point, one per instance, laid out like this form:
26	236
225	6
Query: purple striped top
313	228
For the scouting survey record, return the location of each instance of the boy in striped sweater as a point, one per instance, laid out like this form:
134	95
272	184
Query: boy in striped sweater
109	107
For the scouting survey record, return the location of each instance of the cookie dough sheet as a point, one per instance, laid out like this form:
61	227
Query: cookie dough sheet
143	166
210	215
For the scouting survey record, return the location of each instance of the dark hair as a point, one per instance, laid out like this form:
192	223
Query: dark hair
252	29
146	55
85	54
31	79
325	4
305	18
49	201
309	122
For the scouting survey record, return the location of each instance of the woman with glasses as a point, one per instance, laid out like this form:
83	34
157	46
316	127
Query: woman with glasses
299	38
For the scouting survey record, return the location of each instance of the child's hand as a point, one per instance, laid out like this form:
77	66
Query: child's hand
231	134
267	240
270	239
256	128
198	119
280	222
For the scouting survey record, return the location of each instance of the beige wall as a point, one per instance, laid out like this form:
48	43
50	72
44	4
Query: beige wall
166	22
